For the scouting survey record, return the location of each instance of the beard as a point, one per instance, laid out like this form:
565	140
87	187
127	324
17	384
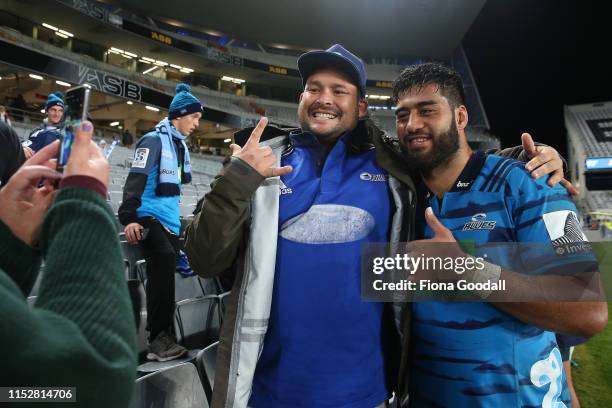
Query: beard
443	147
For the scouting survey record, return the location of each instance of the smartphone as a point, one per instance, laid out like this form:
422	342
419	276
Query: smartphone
144	232
77	104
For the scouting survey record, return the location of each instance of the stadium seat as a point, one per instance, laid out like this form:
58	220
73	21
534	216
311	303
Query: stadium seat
222	300
187	287
128	271
210	286
132	253
140	267
178	386
198	321
206	362
184	222
187	209
115	196
114	206
136	292
152	366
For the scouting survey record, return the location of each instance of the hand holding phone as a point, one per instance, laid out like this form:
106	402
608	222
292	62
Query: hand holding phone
133	233
86	159
77	105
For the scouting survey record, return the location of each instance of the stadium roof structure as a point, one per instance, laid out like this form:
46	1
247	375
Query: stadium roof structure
370	28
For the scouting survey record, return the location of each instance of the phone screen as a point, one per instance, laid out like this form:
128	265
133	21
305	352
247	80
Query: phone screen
77	101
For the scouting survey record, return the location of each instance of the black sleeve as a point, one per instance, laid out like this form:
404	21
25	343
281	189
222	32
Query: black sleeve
11	153
132	191
214	236
146	156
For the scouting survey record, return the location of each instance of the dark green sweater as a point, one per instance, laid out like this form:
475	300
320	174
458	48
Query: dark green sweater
81	332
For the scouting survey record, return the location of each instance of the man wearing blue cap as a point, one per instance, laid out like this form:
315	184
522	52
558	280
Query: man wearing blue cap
289	217
48	132
151	215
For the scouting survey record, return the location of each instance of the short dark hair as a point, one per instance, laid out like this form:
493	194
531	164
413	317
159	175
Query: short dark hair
421	75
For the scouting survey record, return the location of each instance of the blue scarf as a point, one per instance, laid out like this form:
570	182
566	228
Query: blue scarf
168	184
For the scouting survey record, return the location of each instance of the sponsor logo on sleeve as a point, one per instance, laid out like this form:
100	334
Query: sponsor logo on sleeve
140	158
565	232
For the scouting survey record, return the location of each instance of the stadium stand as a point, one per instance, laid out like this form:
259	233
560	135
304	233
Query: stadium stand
199	301
589	138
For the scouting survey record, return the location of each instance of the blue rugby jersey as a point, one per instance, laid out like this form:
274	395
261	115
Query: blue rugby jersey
42	136
471	354
324	346
166	209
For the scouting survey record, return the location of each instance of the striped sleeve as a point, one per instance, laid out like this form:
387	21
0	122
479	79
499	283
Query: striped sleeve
547	220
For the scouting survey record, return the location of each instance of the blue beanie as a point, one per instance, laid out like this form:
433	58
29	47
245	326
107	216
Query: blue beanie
54	98
184	103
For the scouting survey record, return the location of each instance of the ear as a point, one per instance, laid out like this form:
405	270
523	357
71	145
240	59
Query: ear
301	96
461	117
362	107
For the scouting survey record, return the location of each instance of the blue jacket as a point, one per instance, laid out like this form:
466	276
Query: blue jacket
139	196
43	136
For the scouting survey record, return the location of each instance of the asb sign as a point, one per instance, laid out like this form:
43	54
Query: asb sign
109	83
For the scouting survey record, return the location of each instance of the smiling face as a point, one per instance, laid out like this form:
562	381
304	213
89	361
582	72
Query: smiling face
187	124
54	114
427	127
330	105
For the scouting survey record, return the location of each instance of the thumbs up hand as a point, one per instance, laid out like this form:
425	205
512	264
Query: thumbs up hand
442	245
441	233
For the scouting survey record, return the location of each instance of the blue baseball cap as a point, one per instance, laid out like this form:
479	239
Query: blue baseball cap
337	57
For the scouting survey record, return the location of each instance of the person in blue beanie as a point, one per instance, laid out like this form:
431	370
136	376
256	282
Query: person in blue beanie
48	132
151	203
